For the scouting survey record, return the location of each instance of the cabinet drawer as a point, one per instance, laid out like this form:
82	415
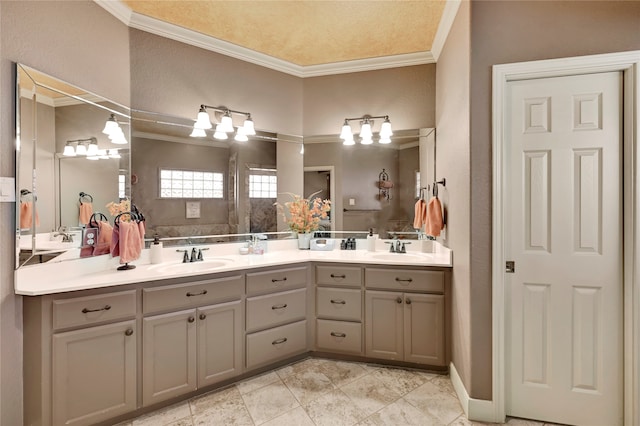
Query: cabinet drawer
281	279
275	309
89	310
405	280
339	303
338	276
197	293
339	336
277	343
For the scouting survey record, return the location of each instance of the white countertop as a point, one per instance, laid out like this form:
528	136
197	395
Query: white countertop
101	271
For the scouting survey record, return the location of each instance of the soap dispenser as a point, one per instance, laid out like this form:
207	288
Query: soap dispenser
156	250
371	241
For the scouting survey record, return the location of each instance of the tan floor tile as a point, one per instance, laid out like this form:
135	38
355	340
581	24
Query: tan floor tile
334	409
463	421
225	412
399	380
400	413
341	373
257	382
187	421
299	367
295	417
164	416
308	385
369	394
429	398
210	400
513	421
444	384
269	402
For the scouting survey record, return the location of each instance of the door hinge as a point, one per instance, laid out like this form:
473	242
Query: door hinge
510	267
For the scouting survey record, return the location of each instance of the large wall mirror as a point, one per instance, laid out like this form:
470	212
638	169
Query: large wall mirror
65	165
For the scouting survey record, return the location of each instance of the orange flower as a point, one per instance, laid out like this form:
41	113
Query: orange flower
304	214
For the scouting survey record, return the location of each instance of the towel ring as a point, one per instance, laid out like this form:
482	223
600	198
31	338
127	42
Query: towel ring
99	216
139	215
85	195
133	215
442	182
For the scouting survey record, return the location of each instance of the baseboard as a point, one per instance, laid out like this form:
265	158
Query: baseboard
475	409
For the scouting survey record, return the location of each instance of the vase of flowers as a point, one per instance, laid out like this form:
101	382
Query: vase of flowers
303	216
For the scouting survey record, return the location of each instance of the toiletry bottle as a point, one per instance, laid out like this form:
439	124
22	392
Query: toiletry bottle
156	250
371	241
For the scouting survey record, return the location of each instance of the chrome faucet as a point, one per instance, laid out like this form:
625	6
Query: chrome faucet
66	237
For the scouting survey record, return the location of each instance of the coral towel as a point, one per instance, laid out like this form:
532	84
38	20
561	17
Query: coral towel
434	222
86	210
105	235
129	242
26	215
420	214
115	242
142	231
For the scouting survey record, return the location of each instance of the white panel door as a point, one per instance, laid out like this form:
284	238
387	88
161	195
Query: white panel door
564	232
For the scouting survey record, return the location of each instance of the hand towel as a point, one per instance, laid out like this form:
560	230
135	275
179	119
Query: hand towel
434	222
26	215
142	230
420	214
115	242
105	235
86	210
129	242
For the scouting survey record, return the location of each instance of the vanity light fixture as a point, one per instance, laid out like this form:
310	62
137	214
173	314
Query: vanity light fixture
69	150
113	130
203	122
366	130
80	147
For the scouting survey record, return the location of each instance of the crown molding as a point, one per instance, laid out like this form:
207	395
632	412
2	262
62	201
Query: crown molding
174	32
446	22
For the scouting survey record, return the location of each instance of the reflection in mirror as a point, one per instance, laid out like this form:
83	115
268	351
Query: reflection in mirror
56	124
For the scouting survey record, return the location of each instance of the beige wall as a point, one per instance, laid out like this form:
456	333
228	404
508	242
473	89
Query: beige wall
452	163
78	42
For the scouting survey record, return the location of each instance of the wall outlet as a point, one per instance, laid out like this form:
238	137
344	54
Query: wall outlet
352	201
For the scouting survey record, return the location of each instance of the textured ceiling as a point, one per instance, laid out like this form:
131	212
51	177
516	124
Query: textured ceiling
307	32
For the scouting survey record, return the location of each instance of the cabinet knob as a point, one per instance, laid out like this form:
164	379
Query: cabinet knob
399	299
408	301
202	316
191	319
129	332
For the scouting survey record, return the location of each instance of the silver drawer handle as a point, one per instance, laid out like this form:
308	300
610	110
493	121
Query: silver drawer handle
338	302
202	293
275	280
404	280
334	334
281	306
279	341
342	276
106	308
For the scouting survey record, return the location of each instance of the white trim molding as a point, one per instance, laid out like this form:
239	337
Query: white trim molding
174	32
446	22
629	64
479	410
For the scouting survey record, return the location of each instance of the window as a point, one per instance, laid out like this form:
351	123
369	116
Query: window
263	183
190	184
418	184
121	187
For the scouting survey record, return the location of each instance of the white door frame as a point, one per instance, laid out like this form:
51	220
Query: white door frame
629	64
332	186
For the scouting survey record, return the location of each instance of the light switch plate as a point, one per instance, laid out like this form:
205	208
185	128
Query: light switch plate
193	209
352	201
7	189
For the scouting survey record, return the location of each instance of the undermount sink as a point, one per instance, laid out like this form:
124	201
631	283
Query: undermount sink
200	266
399	257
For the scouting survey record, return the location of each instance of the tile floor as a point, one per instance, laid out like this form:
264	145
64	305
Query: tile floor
324	392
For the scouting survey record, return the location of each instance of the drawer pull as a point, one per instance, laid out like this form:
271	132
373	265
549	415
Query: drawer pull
408	301
338	302
404	280
342	276
334	334
191	319
106	308
279	341
399	299
202	293
129	332
275	280
281	306
203	316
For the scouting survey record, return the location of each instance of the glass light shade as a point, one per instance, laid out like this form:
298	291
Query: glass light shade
92	157
203	121
69	151
220	134
113	153
384	140
346	132
366	141
111	125
248	127
81	149
92	150
349	142
385	129
118	139
241	136
198	133
365	130
227	123
102	154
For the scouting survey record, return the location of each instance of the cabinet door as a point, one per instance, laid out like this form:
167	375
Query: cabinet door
384	324
424	329
220	337
169	356
94	373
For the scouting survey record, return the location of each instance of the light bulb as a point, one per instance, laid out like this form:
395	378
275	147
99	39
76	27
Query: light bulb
241	135
248	127
346	132
385	129
365	130
69	151
198	133
227	122
111	125
81	149
203	121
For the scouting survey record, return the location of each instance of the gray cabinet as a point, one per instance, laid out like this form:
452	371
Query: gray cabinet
94	373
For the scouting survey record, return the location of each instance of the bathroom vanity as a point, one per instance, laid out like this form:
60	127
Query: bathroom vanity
104	345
